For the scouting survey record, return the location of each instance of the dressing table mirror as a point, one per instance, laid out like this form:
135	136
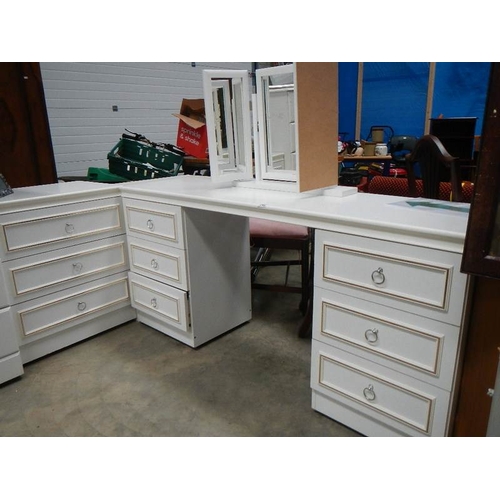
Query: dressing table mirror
276	114
227	111
295	126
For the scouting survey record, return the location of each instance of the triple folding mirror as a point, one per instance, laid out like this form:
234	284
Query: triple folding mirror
227	113
283	93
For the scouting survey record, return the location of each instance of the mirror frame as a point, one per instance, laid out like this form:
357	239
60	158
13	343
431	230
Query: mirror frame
243	170
290	176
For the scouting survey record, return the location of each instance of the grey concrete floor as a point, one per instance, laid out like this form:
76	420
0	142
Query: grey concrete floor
135	381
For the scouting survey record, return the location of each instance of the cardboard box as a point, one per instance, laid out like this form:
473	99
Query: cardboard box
192	132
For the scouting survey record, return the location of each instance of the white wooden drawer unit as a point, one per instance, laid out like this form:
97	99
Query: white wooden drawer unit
34	231
65	265
190	269
48	272
10	359
386	334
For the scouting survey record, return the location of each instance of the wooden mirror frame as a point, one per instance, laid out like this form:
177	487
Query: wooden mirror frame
483	228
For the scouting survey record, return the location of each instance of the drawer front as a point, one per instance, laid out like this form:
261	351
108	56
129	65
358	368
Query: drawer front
157	221
8	333
159	262
165	303
411	406
44	273
41	230
416	346
415	279
4	299
59	310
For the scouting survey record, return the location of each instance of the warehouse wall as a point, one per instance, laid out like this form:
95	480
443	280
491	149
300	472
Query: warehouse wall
80	99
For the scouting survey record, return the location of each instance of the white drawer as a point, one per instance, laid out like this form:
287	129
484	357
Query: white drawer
44	273
417	346
159	262
49	228
8	333
407	405
419	280
157	221
166	304
58	311
4	299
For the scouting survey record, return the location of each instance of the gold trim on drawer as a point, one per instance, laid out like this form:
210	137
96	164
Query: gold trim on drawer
66	258
67	237
81	314
445	271
371	348
172	216
430	402
150	269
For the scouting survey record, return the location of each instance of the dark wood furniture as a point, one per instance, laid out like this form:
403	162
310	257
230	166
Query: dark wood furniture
481	258
26	155
436	165
457	135
482	244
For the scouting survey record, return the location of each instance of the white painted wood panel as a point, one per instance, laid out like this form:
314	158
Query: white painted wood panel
80	97
407	405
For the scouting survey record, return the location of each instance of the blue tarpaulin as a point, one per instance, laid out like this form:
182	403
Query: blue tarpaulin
395	94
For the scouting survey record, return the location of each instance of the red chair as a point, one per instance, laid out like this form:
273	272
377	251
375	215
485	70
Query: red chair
397	186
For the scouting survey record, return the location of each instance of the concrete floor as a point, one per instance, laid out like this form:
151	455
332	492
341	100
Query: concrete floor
135	381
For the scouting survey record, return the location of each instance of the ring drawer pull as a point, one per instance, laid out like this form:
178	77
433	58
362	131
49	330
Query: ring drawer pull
371	335
378	276
150	224
81	306
69	228
369	393
154	264
77	267
154	303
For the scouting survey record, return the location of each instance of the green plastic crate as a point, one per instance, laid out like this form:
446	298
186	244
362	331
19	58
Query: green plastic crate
135	171
140	152
103	175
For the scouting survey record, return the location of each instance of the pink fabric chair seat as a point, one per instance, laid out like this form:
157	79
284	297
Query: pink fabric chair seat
260	228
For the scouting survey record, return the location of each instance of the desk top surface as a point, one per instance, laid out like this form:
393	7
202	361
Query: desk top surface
321	209
412	220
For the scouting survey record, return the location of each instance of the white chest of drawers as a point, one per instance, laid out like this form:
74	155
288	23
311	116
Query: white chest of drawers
387	332
65	263
10	358
189	269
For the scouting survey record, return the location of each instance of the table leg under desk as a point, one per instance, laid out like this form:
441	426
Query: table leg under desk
305	328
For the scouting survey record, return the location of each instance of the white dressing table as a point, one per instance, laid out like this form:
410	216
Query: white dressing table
389	298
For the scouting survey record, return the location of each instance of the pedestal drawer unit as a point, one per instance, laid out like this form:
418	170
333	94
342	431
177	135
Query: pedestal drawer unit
387	332
190	269
65	264
10	359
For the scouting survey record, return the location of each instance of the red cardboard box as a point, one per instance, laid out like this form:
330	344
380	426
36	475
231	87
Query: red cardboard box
192	132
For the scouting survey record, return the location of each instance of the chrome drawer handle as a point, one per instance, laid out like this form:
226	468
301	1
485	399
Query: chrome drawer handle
77	267
154	303
69	228
82	306
369	393
378	276
150	224
154	264
371	335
